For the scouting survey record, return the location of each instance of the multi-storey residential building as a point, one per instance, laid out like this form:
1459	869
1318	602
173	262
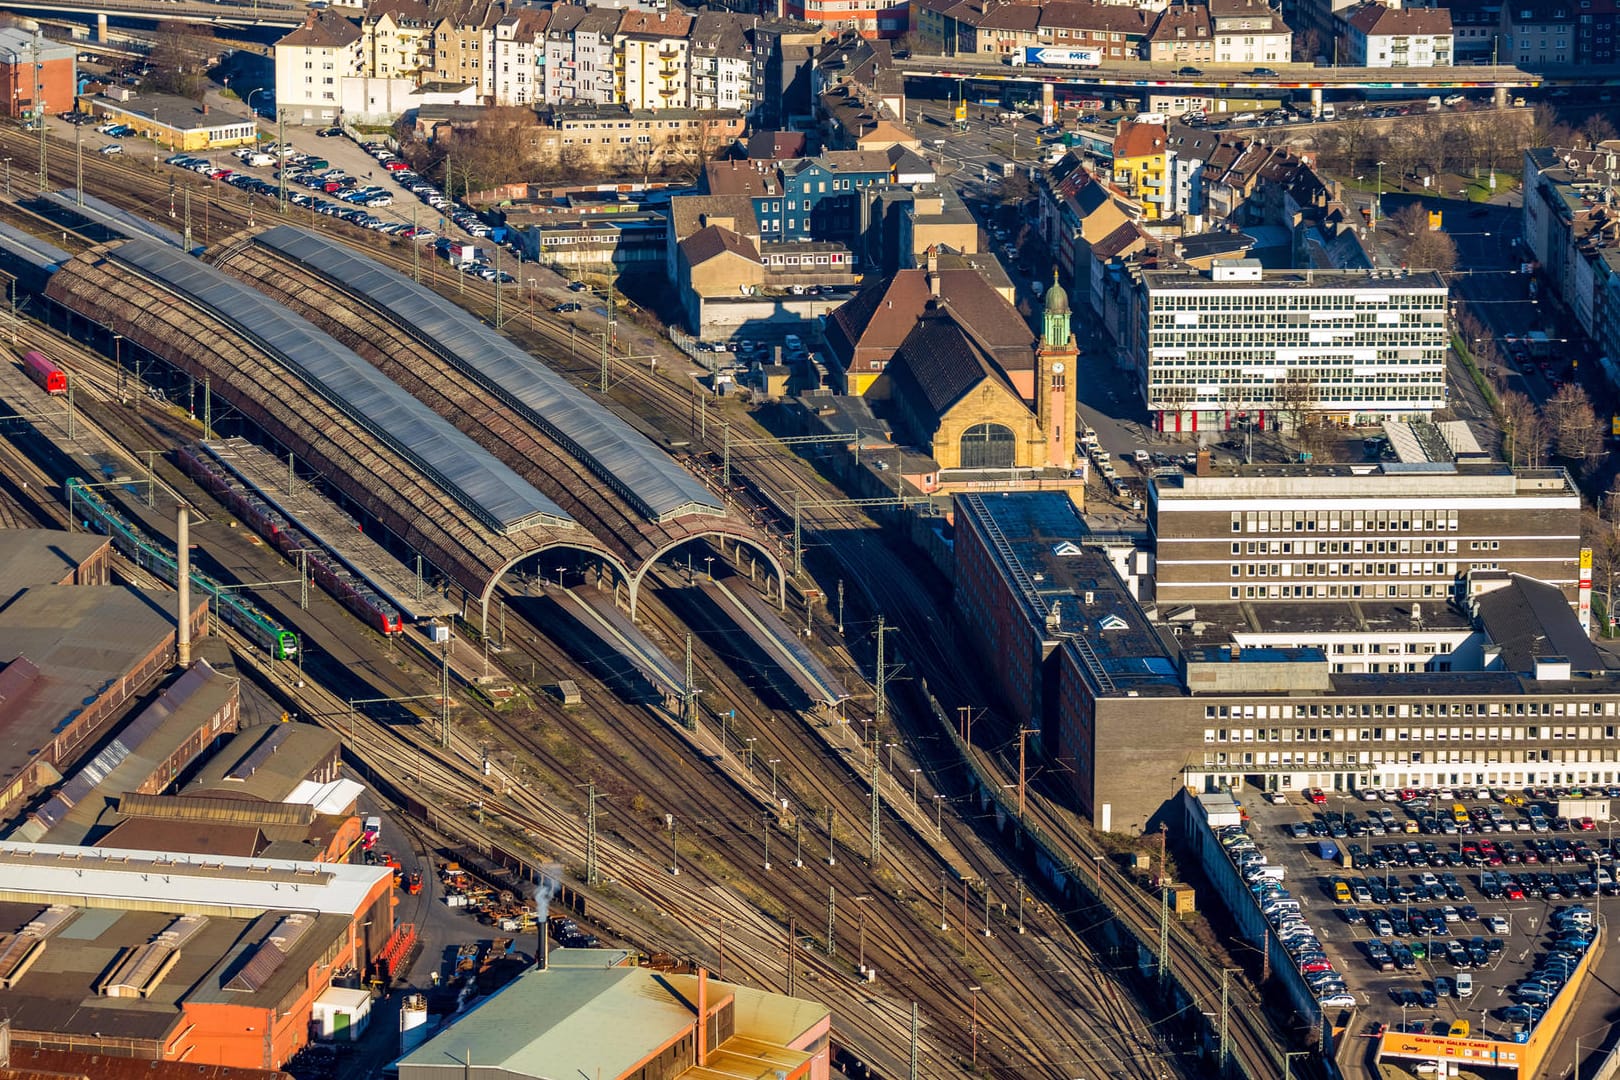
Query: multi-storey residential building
1571	232
1117	31
1183	34
1249	32
396	37
1381	36
1133	704
1476	30
652	50
782	64
1141	165
310	63
596	60
1245	346
561	68
464	47
870	18
1335	532
518	57
814	198
1537	33
720	63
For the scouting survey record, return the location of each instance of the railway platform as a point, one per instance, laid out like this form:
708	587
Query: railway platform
597	612
325	523
755	617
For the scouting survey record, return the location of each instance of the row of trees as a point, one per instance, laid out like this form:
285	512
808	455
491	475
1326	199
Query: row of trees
1566	427
1471	144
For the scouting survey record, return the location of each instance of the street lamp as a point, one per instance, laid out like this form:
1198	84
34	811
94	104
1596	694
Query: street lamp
773	763
1379	198
914	773
255	90
939	814
708	566
674	850
973	1030
750	741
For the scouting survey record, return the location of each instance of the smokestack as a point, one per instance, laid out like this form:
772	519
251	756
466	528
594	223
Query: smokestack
703	1019
183	583
544	959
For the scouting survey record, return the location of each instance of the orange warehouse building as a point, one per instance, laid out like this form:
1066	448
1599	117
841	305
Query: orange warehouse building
209	960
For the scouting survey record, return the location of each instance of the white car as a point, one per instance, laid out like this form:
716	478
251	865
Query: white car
1338	1001
112	148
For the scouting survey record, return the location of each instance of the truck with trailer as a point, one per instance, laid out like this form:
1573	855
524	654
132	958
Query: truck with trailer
1045	56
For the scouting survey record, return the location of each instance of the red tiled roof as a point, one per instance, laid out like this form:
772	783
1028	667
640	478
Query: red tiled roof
1139	140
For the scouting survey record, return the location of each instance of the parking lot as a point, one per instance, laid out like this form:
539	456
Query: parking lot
1436	892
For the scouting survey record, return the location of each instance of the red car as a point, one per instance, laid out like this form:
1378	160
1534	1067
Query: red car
395	166
1586	824
1513	892
1316	795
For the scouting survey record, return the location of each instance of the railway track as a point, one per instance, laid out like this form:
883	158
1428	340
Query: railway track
671	404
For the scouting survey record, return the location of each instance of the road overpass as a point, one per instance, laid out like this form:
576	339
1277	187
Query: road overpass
243	13
1320	82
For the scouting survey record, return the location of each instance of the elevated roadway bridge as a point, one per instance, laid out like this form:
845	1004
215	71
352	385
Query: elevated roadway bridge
1322	83
236	13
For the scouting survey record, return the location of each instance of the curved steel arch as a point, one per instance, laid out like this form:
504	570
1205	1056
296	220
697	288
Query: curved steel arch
631	580
734	534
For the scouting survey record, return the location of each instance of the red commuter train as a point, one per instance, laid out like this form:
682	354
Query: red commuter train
45	372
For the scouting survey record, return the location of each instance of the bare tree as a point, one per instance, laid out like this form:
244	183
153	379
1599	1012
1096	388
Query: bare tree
1307	45
1573	424
1597	128
1295	397
1426	248
1402	149
1524	433
179	59
1320	438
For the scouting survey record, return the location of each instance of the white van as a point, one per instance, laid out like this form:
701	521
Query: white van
1435	104
1327	112
1465	984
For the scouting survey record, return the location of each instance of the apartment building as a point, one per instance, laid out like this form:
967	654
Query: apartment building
812	198
1340	533
652	50
869	18
518	58
1249	32
1183	34
1380	36
561	68
720	63
1133	703
597	77
1141	165
396	37
1240	346
311	62
1537	33
1571	231
464	48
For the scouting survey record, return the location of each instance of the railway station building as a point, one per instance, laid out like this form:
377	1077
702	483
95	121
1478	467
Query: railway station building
1135	698
213	960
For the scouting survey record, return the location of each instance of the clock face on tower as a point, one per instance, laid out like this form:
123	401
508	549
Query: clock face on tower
1057	368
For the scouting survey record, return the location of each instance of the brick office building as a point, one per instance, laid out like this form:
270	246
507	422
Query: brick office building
58	76
1350	532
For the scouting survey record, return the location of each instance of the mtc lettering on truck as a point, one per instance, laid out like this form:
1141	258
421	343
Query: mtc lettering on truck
1036	56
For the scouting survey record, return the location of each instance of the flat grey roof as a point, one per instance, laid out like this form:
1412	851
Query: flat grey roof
31	249
112	218
326	522
1375	281
643	474
484	485
30	557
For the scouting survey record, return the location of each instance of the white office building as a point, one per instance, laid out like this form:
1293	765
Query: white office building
1242	346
